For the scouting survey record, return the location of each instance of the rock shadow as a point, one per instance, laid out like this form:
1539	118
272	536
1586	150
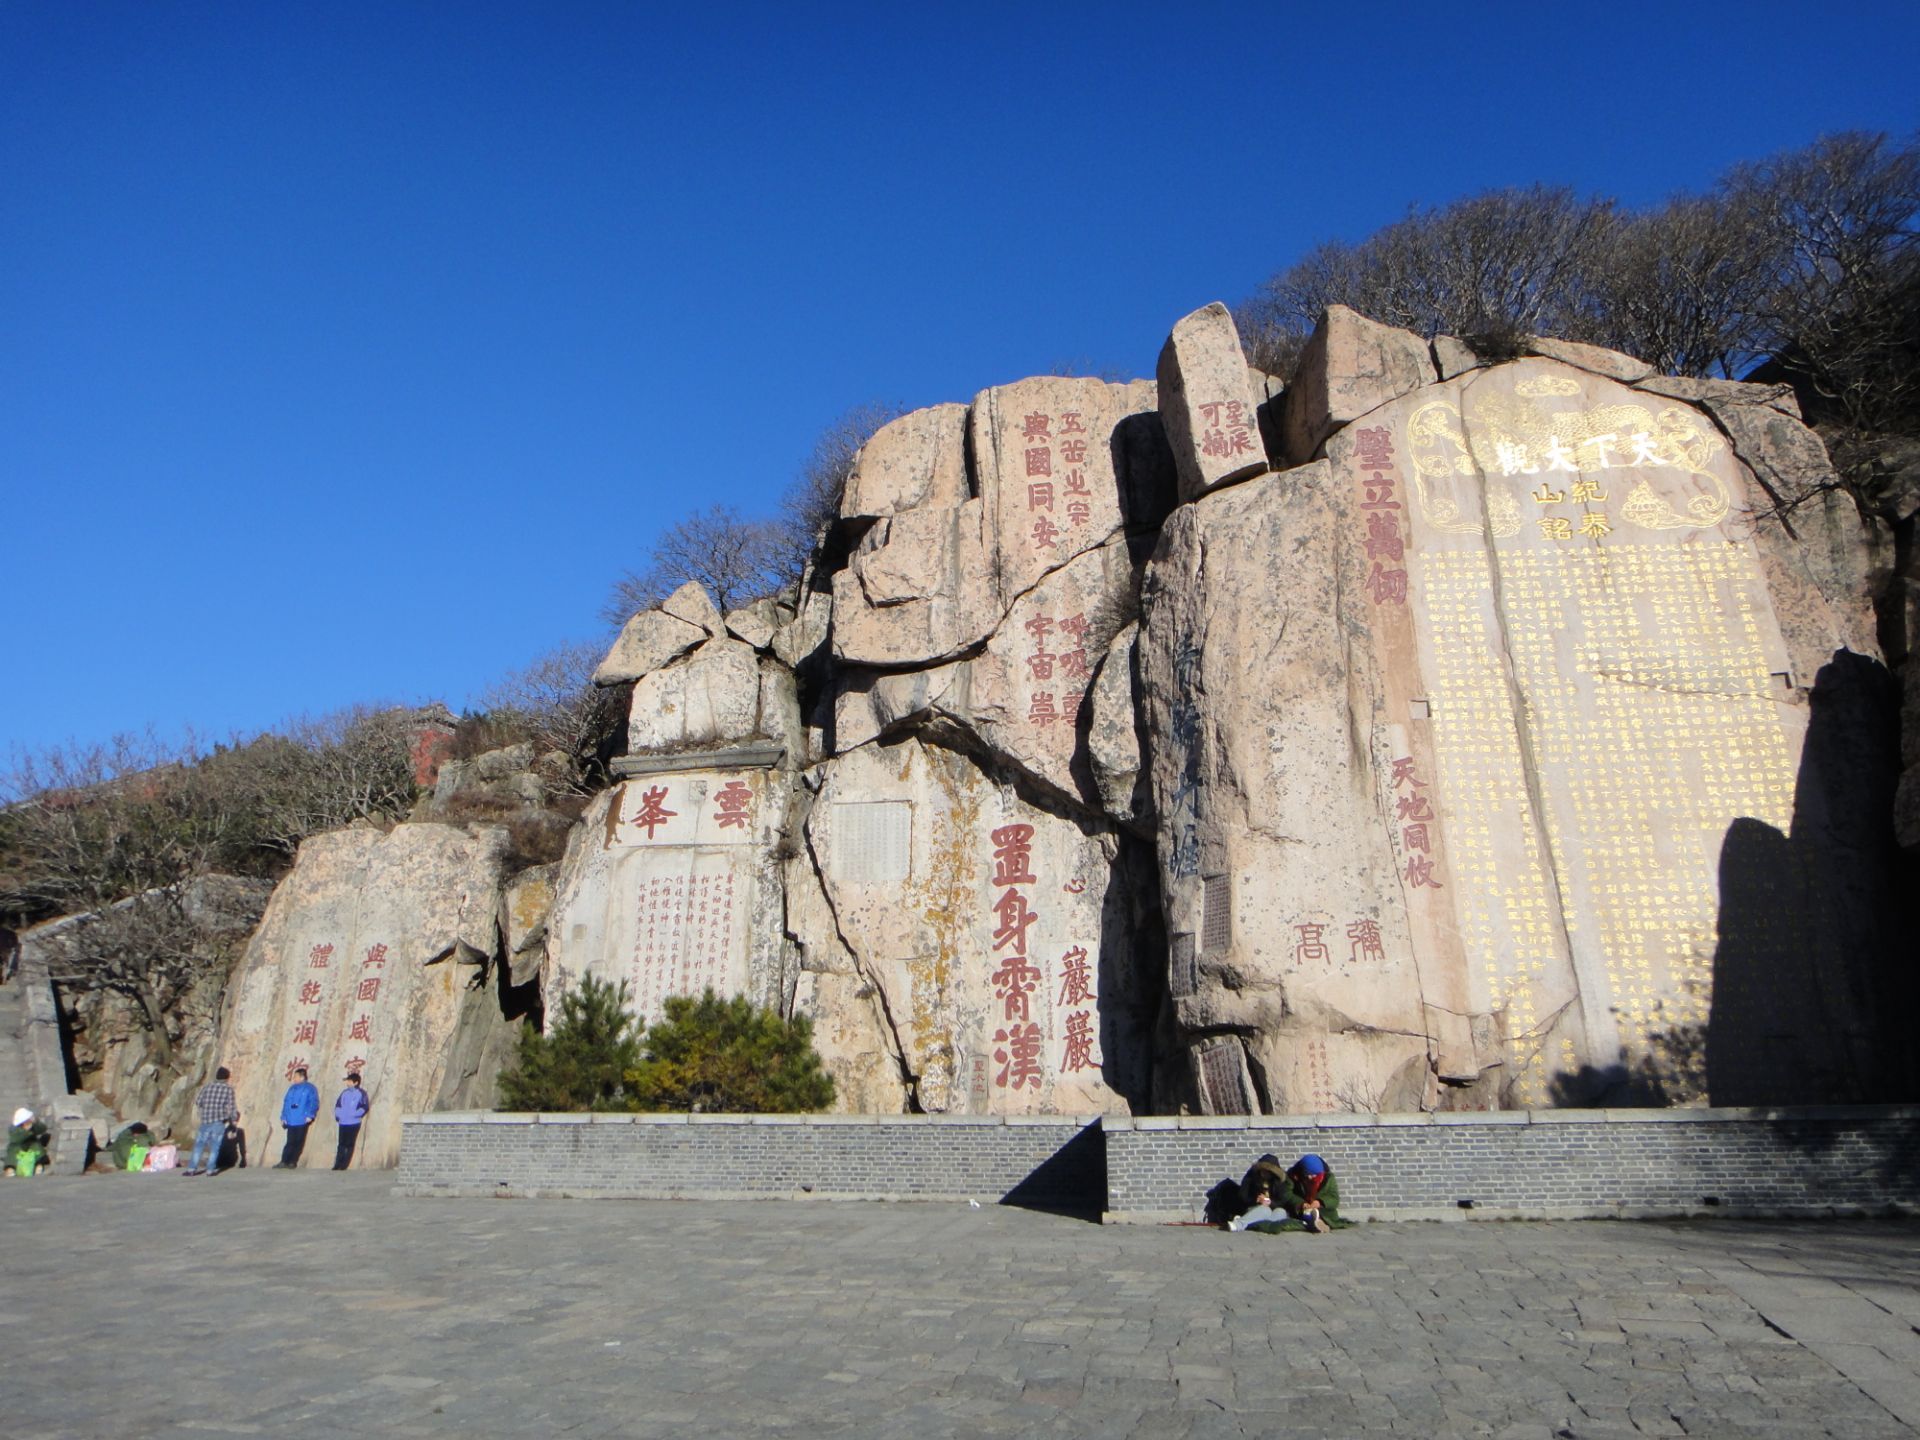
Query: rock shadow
1809	994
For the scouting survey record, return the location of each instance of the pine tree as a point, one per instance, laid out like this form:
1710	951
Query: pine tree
729	1055
582	1060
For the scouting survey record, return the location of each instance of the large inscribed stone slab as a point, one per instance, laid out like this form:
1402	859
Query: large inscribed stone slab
1578	640
671	887
358	966
1477	746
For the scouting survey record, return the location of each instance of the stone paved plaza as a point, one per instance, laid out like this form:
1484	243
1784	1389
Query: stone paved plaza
311	1304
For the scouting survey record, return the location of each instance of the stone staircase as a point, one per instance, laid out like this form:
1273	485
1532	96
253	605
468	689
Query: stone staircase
16	1068
33	1068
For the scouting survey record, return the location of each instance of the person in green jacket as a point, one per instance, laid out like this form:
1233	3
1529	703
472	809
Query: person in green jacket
1310	1194
136	1134
27	1136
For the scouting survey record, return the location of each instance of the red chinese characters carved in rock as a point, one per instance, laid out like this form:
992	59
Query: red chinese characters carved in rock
1079	1049
1415	813
1365	935
370	988
653	810
361	1029
1311	948
1013	984
310	992
733	805
1015	978
1068	662
1076	977
306	1032
1384	545
295	1066
1226	429
1017	1052
376	957
320	957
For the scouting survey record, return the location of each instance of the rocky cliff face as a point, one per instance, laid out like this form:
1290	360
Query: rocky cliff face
367	961
1436	733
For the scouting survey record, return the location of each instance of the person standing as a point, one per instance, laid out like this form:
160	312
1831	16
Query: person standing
348	1111
297	1114
217	1109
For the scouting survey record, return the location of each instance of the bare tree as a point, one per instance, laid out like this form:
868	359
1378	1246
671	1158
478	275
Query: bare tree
553	702
1490	268
319	773
813	500
1681	287
737	559
1842	311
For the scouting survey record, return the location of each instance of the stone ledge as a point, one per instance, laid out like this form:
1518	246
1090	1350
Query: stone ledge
738	757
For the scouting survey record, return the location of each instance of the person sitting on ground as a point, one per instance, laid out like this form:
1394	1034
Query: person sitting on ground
1310	1194
135	1137
1267	1174
27	1140
1260	1210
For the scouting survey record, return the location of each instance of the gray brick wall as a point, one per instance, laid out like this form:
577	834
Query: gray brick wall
1548	1163
1048	1161
1545	1163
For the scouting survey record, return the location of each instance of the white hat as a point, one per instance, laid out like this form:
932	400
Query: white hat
22	1115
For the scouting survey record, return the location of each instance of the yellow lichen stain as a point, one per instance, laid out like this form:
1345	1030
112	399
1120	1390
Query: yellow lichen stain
947	896
613	816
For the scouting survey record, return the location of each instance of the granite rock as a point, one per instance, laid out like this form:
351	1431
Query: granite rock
1207	405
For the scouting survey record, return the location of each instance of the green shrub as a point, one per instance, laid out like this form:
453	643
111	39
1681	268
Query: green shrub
728	1055
582	1060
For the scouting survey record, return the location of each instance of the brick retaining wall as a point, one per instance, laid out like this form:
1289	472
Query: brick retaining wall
1537	1164
1051	1161
1510	1164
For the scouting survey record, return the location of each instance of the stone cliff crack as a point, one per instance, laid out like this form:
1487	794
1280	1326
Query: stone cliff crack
909	1081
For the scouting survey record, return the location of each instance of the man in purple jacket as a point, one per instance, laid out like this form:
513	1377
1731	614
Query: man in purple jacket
348	1111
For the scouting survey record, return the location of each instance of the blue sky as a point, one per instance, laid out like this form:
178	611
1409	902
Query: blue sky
349	352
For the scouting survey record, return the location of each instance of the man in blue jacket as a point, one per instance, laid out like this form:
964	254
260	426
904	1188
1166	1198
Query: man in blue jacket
297	1112
348	1111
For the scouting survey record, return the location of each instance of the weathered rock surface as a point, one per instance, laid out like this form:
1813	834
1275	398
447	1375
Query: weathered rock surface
721	694
526	904
1207	404
1502	781
501	777
1113	735
363	961
647	641
692	604
917	462
987	926
1522	749
1350	366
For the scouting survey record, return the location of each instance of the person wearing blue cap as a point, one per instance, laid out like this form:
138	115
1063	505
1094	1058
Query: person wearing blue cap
1310	1194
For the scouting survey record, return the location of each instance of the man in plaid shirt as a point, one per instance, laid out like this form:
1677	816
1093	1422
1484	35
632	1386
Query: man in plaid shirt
217	1110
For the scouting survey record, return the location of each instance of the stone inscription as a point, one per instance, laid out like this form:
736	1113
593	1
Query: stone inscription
1661	730
1047	1007
685	943
331	984
1059	674
872	841
1053	457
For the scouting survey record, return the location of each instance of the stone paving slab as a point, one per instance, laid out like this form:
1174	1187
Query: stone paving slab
313	1304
